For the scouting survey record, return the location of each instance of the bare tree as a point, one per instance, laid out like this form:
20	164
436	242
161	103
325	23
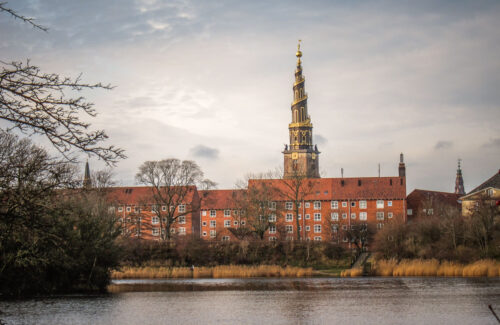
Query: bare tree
484	224
35	102
172	189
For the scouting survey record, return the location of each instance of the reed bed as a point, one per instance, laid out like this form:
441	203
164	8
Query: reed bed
481	268
222	271
352	272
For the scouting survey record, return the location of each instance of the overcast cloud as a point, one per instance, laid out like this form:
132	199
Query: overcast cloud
383	77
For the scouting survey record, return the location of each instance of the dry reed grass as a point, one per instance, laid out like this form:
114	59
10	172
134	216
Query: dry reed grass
352	272
223	271
486	268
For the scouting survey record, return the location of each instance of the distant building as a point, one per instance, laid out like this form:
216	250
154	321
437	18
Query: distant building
459	181
488	191
422	203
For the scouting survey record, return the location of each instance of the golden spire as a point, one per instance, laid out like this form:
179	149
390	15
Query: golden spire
299	53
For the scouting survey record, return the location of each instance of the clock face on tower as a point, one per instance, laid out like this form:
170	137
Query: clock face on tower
295	155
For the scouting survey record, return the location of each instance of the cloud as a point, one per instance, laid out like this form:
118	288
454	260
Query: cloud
443	145
202	151
492	143
319	139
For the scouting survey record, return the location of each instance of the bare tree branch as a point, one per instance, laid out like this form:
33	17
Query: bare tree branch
14	14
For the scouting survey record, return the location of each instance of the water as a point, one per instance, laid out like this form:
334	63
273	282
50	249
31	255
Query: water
270	301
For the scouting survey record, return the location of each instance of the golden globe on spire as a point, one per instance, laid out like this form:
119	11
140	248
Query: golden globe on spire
299	53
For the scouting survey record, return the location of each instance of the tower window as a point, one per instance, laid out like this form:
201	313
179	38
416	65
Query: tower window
359	182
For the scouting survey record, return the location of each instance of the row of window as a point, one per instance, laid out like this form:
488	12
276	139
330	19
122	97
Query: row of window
227	223
335	204
154	208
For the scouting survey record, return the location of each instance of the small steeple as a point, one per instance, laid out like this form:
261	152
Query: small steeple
459	181
402	167
87	183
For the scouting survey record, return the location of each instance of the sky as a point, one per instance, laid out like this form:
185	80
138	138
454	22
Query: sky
211	81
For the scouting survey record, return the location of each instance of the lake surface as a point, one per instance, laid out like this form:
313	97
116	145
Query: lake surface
270	301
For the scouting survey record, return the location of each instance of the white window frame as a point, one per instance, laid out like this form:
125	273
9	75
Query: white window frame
363	204
363	216
335	216
307	205
317	205
213	224
213	233
272	217
227	223
156	231
182	208
335	204
235	222
204	213
317	216
389	215
155	220
272	229
289	205
204	223
380	204
353	204
317	229
181	220
163	208
289	229
353	215
204	234
344	204
308	228
129	209
308	216
380	215
317	238
272	205
120	209
289	217
344	215
389	203
181	230
227	213
226	238
272	238
213	213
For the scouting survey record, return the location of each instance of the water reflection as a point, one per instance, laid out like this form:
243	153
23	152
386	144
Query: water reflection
270	301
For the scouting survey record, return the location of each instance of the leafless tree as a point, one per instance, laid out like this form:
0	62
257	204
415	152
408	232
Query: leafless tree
36	102
483	224
172	189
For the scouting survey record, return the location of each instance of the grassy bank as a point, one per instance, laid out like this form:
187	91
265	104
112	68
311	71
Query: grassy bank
222	271
481	268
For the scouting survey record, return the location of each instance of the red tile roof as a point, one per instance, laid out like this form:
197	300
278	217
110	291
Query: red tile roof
342	188
218	199
417	197
139	195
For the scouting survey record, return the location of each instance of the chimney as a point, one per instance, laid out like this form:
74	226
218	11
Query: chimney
402	167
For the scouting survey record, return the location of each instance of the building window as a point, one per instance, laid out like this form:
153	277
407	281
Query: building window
380	204
380	225
317	229
363	216
335	204
272	238
289	205
317	205
344	215
317	238
490	192
345	239
335	228
235	212
389	215
172	230
225	238
410	212
353	215
182	219
362	204
164	219
213	233
213	213
156	231
335	216
299	217
307	205
235	223
272	205
272	217
380	216
430	212
227	223
308	216
272	229
317	217
155	220
227	213
389	203
164	208
289	217
154	207
182	208
344	204
289	229
203	213
344	227
204	233
136	209
212	223
182	231
353	204
243	222
308	228
129	209
120	209
204	223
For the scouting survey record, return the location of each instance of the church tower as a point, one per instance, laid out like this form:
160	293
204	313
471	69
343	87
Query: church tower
301	156
459	181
